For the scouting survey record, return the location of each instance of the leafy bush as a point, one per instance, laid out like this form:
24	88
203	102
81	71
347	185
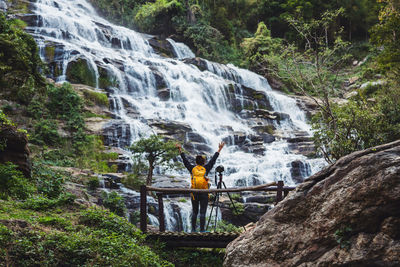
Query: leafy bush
40	203
104	239
56	222
20	64
223	226
133	181
151	17
114	202
46	133
105	220
49	182
93	183
13	183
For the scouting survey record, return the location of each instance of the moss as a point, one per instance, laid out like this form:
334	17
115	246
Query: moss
258	96
79	71
49	52
106	79
96	97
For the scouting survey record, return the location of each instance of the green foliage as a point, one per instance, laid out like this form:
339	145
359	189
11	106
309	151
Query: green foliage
45	133
191	256
57	222
49	182
342	236
91	156
20	64
239	208
89	238
361	123
153	16
40	203
96	97
104	220
80	71
64	102
260	46
385	33
133	181
156	151
114	202
223	226
93	183
13	183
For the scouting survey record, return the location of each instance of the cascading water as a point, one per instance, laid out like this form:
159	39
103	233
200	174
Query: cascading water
202	103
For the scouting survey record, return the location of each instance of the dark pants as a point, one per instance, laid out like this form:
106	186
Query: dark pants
202	200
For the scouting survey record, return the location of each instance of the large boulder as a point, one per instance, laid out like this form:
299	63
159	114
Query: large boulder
15	148
346	215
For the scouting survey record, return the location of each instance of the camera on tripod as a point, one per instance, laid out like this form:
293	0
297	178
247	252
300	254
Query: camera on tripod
220	169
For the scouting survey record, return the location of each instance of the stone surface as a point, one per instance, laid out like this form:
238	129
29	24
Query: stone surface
162	46
16	148
356	199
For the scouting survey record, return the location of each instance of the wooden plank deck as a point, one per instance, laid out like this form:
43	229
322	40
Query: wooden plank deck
205	240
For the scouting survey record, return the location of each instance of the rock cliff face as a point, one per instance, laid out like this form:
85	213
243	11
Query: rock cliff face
346	215
15	149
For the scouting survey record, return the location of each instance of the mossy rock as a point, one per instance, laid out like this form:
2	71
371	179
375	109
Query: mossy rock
106	79
19	6
49	53
79	71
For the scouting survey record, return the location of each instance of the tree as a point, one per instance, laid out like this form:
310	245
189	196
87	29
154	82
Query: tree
156	151
316	71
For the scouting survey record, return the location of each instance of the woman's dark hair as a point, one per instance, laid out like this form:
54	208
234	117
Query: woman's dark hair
200	160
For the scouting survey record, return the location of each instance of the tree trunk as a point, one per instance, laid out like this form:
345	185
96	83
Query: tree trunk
149	179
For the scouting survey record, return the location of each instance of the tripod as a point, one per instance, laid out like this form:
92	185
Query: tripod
216	200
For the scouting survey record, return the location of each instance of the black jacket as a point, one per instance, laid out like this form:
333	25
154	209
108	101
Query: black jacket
208	166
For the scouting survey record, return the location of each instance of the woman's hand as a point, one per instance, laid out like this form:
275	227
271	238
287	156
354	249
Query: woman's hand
179	147
220	146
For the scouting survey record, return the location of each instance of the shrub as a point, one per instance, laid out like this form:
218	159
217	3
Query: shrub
49	182
13	183
105	220
133	181
45	133
40	203
114	202
93	183
223	226
56	222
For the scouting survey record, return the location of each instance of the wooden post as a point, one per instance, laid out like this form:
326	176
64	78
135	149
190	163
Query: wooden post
143	208
285	193
279	192
161	212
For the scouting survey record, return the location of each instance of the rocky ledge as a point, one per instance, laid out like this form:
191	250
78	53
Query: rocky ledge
346	215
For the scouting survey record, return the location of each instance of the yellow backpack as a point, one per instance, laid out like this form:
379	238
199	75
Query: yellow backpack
199	180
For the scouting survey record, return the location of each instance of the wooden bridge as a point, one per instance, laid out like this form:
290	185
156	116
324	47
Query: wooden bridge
209	240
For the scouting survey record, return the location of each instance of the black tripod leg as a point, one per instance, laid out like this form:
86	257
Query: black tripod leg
213	205
233	204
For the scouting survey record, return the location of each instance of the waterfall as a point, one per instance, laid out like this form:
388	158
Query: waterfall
199	104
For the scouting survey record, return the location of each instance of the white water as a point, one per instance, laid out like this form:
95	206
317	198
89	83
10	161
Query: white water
198	98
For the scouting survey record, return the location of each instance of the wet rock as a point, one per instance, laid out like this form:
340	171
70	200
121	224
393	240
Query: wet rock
198	62
195	137
164	94
32	20
162	46
299	170
117	133
345	215
15	149
160	81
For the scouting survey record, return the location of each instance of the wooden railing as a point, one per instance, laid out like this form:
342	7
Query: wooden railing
281	192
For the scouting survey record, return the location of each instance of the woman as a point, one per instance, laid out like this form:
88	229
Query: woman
199	180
